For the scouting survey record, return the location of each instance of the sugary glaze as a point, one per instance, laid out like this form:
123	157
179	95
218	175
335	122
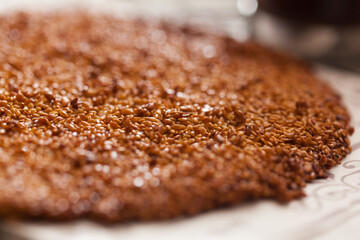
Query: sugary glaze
124	119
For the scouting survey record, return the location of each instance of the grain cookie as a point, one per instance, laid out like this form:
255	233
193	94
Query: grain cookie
116	120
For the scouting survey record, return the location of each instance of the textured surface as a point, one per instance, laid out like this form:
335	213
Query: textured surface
121	120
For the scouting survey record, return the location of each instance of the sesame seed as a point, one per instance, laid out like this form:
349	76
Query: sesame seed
138	182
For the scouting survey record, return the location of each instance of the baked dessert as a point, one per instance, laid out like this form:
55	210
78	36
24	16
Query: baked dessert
119	120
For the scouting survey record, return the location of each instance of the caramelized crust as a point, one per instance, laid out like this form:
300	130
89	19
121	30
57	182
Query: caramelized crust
116	120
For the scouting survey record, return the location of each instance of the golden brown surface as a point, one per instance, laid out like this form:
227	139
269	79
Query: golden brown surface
118	120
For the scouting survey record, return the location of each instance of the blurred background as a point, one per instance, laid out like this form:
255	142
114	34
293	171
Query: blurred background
326	31
321	30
